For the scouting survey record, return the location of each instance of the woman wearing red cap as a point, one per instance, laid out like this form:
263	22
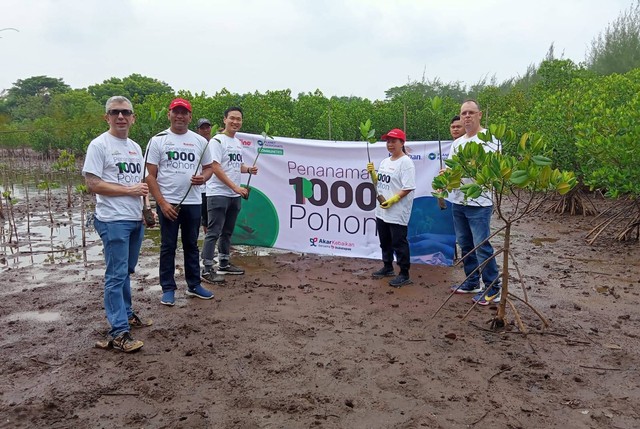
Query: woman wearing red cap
395	181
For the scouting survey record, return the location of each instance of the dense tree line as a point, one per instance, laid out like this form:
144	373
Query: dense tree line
587	113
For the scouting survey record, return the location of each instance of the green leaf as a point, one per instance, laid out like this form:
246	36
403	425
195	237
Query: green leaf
436	103
523	141
563	188
541	160
519	177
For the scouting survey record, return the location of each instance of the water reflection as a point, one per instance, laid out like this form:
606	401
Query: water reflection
38	228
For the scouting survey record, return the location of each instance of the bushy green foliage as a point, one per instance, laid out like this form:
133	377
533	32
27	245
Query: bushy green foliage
135	87
608	144
617	48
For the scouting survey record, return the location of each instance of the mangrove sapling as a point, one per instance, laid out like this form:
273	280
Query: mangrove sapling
436	109
6	195
28	208
265	135
368	135
519	184
47	186
66	163
82	190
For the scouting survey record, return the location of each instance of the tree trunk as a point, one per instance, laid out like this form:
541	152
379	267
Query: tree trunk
499	321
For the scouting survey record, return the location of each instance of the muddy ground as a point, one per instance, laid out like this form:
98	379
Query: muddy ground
303	341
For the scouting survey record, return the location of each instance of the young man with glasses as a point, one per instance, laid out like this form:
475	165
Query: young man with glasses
471	219
179	163
223	196
113	171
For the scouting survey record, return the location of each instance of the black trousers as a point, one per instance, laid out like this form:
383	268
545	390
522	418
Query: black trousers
393	239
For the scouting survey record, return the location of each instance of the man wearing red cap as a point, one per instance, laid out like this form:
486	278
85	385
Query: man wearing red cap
395	181
179	162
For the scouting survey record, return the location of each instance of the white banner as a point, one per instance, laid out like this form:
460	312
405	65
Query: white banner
316	196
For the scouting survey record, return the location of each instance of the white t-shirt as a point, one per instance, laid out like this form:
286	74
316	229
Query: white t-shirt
457	197
177	157
226	151
394	176
120	161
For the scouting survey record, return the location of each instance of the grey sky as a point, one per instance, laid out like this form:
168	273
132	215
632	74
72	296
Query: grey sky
350	47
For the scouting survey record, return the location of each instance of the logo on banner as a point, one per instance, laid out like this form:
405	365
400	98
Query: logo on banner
432	156
270	148
331	244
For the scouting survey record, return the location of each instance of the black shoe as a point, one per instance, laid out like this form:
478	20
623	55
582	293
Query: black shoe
211	277
229	269
400	280
383	272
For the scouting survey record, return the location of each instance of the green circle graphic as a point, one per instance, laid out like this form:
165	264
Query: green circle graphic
258	223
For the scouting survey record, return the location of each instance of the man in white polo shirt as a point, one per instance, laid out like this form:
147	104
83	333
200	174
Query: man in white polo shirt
113	171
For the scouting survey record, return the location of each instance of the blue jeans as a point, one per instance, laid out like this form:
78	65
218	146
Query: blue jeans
222	214
122	241
472	225
188	223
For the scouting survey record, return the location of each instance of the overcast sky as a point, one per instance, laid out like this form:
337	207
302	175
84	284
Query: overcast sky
349	47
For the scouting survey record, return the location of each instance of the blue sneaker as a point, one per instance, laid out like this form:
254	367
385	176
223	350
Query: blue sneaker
168	298
493	294
467	288
199	292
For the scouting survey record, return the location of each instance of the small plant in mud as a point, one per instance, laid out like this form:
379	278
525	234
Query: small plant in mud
66	163
83	191
519	183
13	229
47	186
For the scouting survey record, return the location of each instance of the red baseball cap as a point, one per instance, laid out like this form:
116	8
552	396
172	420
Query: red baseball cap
395	134
180	102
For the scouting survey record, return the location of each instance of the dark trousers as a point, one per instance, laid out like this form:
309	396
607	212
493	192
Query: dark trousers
393	239
203	210
188	223
223	213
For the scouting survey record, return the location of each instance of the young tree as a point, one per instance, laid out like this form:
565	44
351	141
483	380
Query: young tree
519	184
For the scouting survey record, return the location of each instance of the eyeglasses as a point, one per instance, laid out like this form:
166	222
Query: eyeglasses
117	112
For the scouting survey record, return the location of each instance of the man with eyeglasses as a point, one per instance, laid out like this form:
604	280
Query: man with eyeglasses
471	219
179	163
113	170
223	196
